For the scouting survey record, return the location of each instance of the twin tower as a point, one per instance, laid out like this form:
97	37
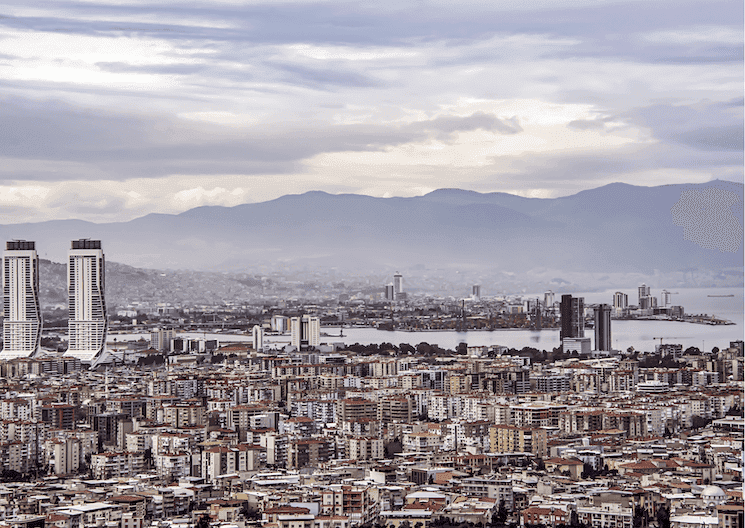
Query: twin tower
22	322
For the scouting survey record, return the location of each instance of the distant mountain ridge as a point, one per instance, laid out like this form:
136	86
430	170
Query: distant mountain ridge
614	228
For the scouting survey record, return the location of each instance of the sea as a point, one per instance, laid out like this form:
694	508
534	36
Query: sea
726	303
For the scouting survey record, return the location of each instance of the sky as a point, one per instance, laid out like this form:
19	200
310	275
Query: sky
112	111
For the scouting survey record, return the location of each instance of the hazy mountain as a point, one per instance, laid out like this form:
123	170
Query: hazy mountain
617	228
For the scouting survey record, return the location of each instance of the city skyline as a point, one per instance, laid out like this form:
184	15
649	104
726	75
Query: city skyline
136	109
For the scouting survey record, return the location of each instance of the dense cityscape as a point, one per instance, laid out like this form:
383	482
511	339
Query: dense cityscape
264	416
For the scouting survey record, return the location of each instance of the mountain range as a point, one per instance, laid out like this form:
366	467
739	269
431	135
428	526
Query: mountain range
617	228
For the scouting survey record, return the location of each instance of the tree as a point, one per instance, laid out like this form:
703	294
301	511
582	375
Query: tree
663	517
250	513
204	521
9	475
424	349
641	517
407	348
501	513
699	422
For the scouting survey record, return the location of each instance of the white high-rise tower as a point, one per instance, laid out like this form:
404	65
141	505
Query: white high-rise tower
87	322
398	285
305	331
258	337
22	312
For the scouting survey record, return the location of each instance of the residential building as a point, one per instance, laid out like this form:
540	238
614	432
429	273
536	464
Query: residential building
88	323
21	309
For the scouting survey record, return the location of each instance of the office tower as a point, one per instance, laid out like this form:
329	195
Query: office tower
644	291
645	297
620	301
548	299
21	309
279	324
398	285
161	339
87	322
258	337
602	327
389	292
305	331
666	298
476	291
572	316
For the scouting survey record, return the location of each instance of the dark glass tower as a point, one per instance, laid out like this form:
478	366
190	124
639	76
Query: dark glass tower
602	327
572	316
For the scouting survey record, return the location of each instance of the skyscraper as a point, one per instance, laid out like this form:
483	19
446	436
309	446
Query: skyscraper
22	312
548	300
572	316
620	302
645	297
398	285
602	327
87	323
161	339
390	294
476	291
666	298
644	291
305	331
257	333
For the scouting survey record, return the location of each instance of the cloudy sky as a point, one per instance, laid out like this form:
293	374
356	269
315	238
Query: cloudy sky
112	111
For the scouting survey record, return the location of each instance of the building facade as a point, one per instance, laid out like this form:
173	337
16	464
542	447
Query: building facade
602	328
22	312
572	317
88	323
305	331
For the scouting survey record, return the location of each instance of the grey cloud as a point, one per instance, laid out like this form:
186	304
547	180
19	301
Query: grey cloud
121	67
606	30
713	138
700	56
13	214
589	124
706	126
118	145
478	120
578	171
87	205
324	78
